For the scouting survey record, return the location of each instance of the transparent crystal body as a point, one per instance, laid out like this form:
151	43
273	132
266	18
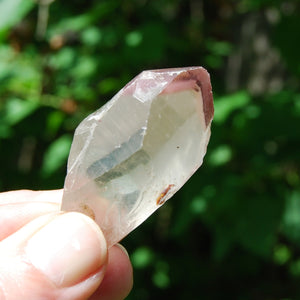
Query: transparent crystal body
135	152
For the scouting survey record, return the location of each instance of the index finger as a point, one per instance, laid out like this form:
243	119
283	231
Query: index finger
20	196
17	208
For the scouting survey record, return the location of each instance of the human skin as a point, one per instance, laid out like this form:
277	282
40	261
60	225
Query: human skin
48	254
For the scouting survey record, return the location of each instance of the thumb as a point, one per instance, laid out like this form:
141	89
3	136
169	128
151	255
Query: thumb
56	256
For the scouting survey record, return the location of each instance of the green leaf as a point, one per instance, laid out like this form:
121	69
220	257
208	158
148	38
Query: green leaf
56	155
142	257
77	23
134	38
16	110
281	254
12	12
142	41
291	217
85	67
219	48
64	59
54	121
161	276
109	85
295	268
257	222
92	36
220	156
224	106
198	205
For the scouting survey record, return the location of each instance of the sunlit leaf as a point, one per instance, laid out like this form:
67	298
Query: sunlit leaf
220	48
134	38
64	58
17	110
198	205
282	254
224	106
220	156
56	155
142	257
92	36
12	11
85	67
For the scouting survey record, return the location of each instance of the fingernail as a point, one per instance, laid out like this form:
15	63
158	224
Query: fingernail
68	250
123	249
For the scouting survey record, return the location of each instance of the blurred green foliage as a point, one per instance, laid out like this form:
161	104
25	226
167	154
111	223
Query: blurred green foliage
233	231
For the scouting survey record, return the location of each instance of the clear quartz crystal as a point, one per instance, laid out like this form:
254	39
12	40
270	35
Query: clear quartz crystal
135	152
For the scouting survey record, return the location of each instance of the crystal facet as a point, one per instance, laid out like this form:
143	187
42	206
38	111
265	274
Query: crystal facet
135	152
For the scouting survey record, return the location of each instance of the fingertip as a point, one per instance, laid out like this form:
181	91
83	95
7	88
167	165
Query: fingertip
55	256
118	280
68	249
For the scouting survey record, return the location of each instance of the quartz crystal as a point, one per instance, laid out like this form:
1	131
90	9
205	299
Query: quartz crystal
135	152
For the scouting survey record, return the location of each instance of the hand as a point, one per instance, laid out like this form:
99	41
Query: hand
47	254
